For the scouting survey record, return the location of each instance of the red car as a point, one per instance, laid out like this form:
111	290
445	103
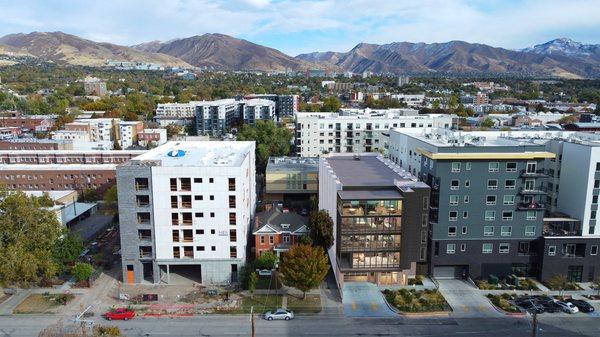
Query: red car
120	314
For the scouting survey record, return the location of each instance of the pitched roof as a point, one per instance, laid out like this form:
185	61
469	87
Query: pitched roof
274	220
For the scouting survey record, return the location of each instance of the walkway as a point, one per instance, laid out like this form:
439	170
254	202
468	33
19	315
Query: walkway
7	307
363	299
466	300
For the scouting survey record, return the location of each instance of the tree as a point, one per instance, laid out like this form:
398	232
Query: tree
107	331
28	234
304	267
321	229
90	194
267	260
252	281
67	249
270	141
82	271
111	199
558	282
172	130
332	104
487	123
568	119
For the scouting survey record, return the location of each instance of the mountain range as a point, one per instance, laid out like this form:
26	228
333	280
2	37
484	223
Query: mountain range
561	57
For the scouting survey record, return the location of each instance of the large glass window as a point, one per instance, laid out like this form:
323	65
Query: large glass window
352	243
357	225
371	207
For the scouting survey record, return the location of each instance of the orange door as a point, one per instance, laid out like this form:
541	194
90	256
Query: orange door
130	276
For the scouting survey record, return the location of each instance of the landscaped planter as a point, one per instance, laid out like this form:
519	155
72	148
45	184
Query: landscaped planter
417	303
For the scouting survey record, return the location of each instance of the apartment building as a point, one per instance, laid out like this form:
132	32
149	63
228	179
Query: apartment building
155	137
185	210
35	144
215	118
128	132
258	109
94	86
179	110
350	132
285	105
35	123
97	129
44	157
380	214
292	180
487	199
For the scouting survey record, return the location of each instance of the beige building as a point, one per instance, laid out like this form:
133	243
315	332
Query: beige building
292	180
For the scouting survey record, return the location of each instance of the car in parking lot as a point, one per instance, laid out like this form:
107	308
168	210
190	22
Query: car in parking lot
567	307
279	314
551	306
530	305
582	305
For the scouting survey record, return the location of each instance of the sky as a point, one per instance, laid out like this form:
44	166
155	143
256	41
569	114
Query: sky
302	26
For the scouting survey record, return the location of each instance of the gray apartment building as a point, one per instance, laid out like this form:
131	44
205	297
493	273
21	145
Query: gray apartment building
380	217
215	118
487	199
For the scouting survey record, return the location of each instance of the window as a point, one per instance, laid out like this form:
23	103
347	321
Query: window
141	184
452	231
507	215
455	167
523	248
597	166
198	197
487	248
454	184
468	166
593	215
199	215
200	248
594	250
262	239
551	250
529	230
510	184
213	248
511	167
423	236
531	215
490	215
233	252
506	231
493	166
490	200
232	201
452	215
232	219
212	197
467	183
466	199
197	180
594	199
212	231
199	231
231	184
450	248
271	239
596	183
492	184
464	230
454	200
212	214
211	180
504	248
508	200
465	214
488	230
425	203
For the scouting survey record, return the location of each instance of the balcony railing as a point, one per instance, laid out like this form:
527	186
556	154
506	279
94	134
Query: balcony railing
533	206
534	191
541	173
141	187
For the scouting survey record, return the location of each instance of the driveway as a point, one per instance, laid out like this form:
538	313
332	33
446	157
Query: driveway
363	299
466	300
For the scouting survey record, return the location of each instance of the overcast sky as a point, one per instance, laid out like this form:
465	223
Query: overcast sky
310	25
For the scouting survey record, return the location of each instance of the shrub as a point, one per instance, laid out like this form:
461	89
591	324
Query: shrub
82	271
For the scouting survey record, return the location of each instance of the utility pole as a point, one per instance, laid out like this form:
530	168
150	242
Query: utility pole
534	325
253	329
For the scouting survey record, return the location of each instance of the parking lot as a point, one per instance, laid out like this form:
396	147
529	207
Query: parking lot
541	304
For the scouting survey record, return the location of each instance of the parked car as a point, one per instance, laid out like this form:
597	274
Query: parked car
120	314
567	307
582	305
279	314
530	305
303	212
551	306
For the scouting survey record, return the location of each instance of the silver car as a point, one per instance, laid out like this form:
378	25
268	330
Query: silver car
279	314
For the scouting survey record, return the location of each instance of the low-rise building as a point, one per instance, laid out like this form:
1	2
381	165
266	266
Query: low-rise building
292	180
153	137
35	144
277	229
128	132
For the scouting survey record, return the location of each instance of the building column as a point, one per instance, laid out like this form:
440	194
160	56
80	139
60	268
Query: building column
168	275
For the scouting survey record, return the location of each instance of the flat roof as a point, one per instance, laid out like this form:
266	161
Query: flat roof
57	167
73	152
54	195
198	153
370	195
366	170
284	164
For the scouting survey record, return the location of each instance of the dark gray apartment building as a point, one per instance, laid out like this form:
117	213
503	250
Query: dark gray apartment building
380	217
487	199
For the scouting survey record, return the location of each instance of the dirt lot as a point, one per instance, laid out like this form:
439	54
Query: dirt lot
41	304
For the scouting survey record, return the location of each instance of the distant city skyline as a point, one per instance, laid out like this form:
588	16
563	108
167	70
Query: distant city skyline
296	27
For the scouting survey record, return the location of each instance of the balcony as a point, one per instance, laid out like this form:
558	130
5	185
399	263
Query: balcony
533	206
541	173
561	227
535	191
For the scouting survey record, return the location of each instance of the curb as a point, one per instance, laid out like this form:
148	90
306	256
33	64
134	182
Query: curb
506	313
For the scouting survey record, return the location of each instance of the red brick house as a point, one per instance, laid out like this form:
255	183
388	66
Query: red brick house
277	230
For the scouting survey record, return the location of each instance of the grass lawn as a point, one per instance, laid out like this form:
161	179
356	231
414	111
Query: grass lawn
311	304
261	303
41	304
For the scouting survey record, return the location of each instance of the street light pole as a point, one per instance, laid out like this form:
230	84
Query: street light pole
534	325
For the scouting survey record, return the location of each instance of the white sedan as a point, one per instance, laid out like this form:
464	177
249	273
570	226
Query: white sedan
279	314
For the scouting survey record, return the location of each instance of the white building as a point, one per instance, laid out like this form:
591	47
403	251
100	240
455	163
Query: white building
180	110
73	135
185	208
320	133
128	132
258	109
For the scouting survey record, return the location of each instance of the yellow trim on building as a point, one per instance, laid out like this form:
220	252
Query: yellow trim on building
486	155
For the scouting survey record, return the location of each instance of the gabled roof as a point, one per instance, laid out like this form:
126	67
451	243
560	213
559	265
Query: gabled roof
274	220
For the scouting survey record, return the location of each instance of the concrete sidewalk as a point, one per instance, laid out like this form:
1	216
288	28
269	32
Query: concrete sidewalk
7	307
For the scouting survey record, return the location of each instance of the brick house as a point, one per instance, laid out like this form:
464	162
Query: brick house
276	229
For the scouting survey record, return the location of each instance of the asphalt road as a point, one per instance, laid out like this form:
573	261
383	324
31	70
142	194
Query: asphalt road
221	325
